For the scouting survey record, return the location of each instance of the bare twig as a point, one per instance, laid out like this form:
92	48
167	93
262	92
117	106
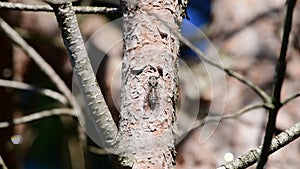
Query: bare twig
229	34
84	73
38	116
231	115
47	8
263	95
218	119
266	98
2	164
24	86
281	140
97	150
278	81
43	65
287	100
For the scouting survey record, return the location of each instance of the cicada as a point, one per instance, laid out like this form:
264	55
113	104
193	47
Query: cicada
152	95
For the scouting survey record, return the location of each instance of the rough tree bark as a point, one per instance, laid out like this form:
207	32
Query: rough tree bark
149	80
149	83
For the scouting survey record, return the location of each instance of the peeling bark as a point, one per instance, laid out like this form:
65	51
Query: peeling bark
149	79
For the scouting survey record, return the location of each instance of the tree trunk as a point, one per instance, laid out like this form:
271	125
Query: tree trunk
149	83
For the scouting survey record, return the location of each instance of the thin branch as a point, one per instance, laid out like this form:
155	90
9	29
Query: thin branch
97	150
24	86
294	96
217	119
278	81
38	116
281	140
255	19
231	115
47	8
98	109
43	65
2	164
264	96
95	10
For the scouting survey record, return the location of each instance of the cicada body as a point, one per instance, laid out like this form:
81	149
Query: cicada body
152	95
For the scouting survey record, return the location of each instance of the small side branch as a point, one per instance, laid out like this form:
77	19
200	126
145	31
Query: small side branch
47	8
231	115
278	81
38	116
24	86
287	100
236	114
97	150
2	164
281	140
265	97
43	65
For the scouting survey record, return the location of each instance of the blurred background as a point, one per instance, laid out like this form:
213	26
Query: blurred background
245	34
